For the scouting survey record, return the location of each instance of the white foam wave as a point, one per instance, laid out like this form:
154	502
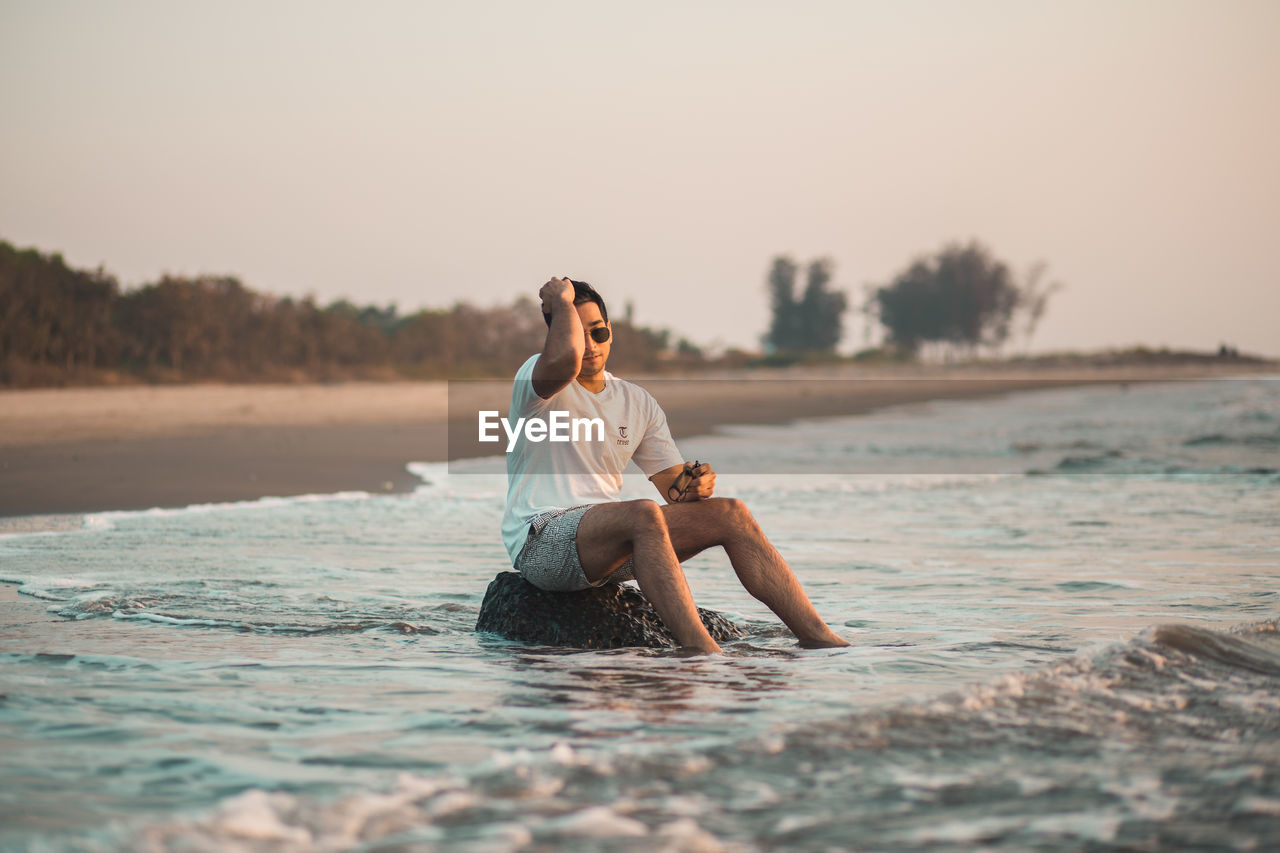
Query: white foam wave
432	474
39	525
458	479
596	822
106	520
422	809
43	587
161	619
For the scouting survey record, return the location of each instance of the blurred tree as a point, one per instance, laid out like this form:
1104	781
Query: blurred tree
52	318
638	347
962	297
822	310
811	323
784	328
1034	299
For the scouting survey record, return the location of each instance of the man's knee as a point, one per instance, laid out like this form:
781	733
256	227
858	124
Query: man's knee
736	520
646	516
735	511
623	520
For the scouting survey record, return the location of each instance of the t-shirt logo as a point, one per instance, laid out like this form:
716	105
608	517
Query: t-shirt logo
622	437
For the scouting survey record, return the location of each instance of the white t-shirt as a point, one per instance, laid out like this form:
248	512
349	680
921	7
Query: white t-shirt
544	475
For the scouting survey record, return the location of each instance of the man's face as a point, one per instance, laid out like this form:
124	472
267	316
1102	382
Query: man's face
595	355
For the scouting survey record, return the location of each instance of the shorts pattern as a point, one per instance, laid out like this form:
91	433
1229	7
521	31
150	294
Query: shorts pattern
549	559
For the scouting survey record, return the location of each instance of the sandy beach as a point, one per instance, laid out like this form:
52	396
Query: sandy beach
68	451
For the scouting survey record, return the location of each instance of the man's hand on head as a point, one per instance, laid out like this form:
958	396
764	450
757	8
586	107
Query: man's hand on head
556	291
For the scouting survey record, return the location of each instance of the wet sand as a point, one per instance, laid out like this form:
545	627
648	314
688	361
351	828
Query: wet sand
67	451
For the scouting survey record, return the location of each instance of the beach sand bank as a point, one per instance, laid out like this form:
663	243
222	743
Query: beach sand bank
67	451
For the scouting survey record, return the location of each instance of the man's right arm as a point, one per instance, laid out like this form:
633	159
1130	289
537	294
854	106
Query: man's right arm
561	357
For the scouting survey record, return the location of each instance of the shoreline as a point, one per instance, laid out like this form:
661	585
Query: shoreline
75	451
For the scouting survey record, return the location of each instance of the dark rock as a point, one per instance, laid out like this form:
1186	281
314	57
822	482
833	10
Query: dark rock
607	617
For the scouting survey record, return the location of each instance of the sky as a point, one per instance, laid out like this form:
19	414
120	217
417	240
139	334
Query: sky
424	153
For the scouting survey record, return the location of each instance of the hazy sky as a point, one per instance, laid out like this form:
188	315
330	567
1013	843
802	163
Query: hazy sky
427	152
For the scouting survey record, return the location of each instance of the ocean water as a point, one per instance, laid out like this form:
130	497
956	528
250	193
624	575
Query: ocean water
1063	607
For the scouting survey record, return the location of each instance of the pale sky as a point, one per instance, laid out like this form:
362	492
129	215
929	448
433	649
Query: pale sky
430	152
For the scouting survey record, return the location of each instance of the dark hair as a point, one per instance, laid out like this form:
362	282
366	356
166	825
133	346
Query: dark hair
582	294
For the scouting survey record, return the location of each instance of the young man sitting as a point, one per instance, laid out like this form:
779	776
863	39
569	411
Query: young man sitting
565	526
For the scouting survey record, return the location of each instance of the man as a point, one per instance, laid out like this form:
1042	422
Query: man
564	525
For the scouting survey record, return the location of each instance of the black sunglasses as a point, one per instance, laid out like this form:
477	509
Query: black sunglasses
599	334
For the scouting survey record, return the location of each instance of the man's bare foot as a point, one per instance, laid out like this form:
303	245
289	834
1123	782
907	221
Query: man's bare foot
696	651
828	641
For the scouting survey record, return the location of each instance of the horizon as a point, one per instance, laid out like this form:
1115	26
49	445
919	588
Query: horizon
423	155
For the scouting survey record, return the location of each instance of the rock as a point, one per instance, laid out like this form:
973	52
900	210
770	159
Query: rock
607	617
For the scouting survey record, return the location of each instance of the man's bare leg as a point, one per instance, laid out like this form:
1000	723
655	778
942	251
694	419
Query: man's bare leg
697	525
609	533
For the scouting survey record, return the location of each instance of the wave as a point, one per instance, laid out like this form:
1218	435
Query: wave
1170	739
1263	440
107	520
1258	653
1118	463
235	611
1088	462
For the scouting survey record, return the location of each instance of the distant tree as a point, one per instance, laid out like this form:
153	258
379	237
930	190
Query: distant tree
784	329
1034	299
811	323
962	297
686	348
54	320
190	326
638	347
383	319
821	310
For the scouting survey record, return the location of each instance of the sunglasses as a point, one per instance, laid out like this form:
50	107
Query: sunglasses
599	334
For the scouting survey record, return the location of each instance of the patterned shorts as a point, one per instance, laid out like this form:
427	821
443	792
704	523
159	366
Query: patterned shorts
549	558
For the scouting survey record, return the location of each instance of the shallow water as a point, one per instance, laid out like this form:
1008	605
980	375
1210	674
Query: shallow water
1063	607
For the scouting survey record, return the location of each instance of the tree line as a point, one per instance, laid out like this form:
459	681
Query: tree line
956	301
60	325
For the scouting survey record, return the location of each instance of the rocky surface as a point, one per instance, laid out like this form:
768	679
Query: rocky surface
608	617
